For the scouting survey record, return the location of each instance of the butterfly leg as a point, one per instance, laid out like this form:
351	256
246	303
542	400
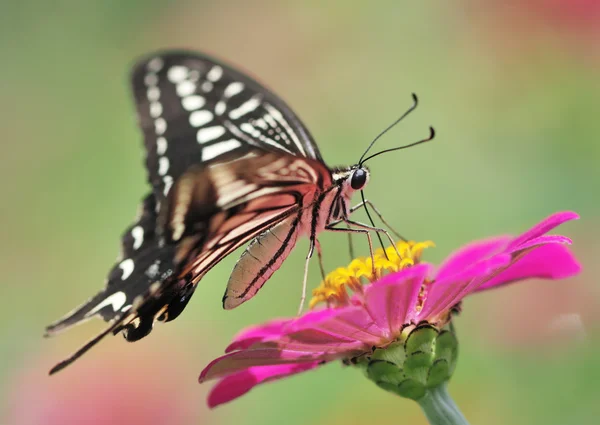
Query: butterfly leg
350	245
331	227
366	202
374	229
320	255
311	250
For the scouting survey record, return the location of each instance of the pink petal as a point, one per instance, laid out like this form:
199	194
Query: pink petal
328	327
314	318
470	254
543	240
391	301
238	384
545	262
248	337
240	360
543	227
349	323
443	294
316	340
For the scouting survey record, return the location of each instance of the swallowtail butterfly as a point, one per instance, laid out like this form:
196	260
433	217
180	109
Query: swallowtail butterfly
229	163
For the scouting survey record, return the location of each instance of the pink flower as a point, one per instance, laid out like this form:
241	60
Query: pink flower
386	311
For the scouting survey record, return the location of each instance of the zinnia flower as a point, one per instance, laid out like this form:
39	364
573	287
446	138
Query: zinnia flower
392	320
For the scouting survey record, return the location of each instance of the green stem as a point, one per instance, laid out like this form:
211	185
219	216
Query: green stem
440	409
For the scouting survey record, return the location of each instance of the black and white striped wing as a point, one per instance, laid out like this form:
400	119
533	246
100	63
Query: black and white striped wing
194	110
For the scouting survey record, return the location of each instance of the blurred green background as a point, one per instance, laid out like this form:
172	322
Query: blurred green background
513	91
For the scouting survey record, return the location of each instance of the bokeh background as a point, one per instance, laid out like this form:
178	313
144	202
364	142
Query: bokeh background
513	91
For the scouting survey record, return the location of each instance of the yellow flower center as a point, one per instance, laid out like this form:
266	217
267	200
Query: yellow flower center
334	290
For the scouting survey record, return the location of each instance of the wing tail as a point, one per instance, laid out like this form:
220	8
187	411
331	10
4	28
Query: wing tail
91	308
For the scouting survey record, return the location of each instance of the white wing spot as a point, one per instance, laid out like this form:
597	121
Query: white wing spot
161	145
261	123
185	88
155	109
151	79
176	74
127	267
215	73
270	121
168	182
246	107
212	151
116	300
191	103
233	88
220	107
249	128
138	236
207	86
160	125
155	64
210	133
181	205
153	94
126	308
153	270
200	118
163	165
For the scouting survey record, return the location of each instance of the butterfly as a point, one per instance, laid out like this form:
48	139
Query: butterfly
228	163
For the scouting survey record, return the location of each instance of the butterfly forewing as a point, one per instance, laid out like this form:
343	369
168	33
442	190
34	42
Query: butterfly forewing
193	110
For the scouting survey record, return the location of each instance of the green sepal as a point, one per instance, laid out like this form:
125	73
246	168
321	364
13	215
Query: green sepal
421	340
382	371
411	389
393	353
446	347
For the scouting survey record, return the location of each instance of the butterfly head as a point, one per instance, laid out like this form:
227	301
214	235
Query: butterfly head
350	180
359	178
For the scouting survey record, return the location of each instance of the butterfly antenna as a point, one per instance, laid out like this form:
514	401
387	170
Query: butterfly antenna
410	145
389	127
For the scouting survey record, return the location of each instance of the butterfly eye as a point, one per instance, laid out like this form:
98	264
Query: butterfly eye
358	179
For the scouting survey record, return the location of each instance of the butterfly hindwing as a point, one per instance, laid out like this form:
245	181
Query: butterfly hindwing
143	261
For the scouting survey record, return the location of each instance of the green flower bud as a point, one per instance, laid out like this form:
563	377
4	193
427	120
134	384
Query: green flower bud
423	358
